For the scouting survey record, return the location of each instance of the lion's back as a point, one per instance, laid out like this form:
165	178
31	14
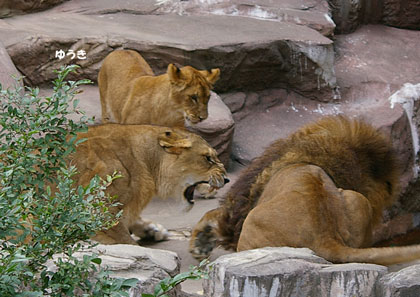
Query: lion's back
353	153
118	71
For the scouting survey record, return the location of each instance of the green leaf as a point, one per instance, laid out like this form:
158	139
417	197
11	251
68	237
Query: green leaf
75	103
97	261
131	282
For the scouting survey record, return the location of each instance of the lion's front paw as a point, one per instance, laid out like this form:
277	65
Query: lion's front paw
155	231
203	242
148	230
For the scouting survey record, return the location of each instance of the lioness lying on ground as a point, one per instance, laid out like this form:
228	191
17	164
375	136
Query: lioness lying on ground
131	93
324	187
154	162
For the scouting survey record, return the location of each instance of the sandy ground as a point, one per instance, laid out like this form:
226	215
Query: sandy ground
171	215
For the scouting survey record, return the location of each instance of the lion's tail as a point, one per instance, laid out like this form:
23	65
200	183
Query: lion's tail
338	253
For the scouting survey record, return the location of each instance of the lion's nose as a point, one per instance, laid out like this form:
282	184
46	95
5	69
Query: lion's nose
226	180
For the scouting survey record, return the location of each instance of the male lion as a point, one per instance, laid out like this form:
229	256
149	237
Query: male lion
153	161
131	94
324	187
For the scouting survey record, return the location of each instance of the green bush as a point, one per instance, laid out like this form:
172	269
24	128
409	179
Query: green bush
168	284
42	212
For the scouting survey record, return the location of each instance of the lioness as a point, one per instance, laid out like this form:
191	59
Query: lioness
324	187
131	93
154	162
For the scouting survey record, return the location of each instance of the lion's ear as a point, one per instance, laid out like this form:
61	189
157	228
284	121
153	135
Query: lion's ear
211	75
174	74
173	143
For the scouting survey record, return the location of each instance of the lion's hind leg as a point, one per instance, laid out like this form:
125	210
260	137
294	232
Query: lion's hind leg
116	235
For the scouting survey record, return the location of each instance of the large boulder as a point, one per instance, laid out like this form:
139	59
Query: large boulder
217	129
401	13
14	7
403	283
253	54
8	70
294	272
126	261
311	13
409	98
349	15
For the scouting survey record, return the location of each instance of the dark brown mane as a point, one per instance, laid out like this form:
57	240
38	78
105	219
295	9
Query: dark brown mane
353	153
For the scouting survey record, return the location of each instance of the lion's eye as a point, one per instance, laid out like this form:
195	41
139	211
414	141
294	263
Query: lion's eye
194	98
209	159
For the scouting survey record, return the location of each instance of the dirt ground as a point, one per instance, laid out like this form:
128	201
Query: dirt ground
180	223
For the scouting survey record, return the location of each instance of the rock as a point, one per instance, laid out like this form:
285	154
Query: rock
268	123
235	101
404	283
14	7
394	231
7	70
402	13
149	266
409	98
349	15
253	54
217	129
313	14
289	272
361	72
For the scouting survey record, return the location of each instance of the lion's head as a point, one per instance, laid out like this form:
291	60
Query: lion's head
189	161
191	88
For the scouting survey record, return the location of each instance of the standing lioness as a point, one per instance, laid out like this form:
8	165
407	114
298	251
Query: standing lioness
153	161
131	93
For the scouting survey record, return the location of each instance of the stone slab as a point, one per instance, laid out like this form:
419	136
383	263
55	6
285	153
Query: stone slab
289	272
7	70
252	53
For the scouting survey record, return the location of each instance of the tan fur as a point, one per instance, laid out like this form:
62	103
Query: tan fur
325	190
131	93
154	162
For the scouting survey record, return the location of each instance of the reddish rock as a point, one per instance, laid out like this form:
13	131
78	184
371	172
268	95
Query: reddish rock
349	15
235	101
217	129
402	13
7	70
253	54
15	7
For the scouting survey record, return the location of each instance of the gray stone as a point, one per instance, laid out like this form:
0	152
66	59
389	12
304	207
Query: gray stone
289	272
401	13
404	283
235	101
352	279
14	7
408	97
349	15
217	129
251	53
149	266
7	70
313	13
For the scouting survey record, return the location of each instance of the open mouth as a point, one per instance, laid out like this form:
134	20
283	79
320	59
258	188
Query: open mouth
189	192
